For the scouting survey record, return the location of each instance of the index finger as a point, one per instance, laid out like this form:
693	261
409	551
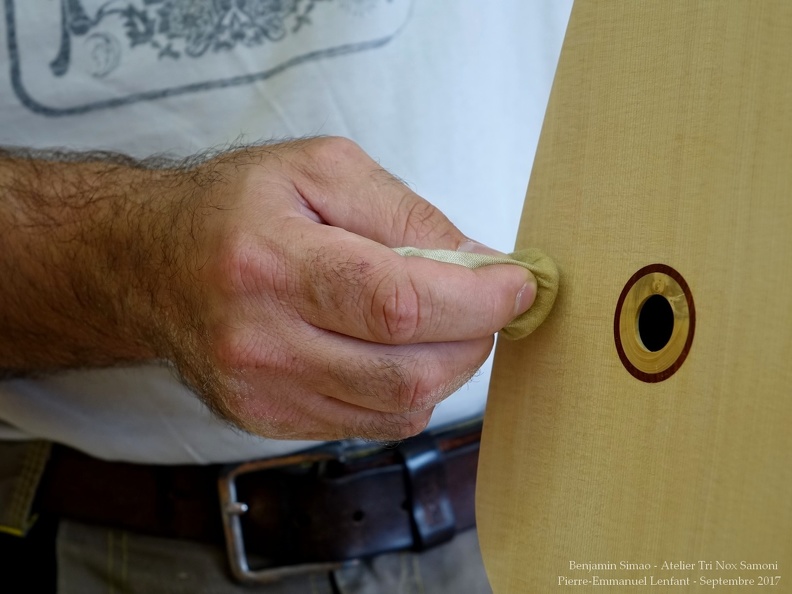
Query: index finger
359	288
348	189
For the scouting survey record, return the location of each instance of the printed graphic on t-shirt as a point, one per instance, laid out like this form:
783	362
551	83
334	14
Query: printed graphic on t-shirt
75	56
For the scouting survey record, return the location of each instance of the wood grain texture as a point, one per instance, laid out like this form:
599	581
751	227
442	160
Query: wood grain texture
668	138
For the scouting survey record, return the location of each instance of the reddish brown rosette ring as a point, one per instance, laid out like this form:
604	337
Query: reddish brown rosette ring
654	323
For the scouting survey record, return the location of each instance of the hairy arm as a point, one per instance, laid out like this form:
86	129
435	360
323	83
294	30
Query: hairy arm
83	239
263	274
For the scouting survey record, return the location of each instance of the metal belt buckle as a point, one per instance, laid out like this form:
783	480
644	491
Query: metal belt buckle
232	509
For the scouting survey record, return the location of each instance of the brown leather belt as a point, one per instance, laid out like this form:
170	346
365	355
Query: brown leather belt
314	510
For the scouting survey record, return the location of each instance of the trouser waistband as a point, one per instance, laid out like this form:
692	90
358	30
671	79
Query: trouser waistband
327	505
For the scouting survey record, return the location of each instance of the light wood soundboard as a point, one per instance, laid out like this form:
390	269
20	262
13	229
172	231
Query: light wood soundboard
657	435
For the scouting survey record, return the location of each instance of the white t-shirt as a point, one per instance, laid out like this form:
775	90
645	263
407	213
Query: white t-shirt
447	94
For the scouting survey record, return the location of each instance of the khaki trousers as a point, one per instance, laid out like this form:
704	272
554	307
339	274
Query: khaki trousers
103	560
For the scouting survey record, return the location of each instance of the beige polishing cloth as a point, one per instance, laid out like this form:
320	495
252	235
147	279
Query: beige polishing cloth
542	267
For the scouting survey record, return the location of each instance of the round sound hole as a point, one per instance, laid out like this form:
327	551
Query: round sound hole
654	323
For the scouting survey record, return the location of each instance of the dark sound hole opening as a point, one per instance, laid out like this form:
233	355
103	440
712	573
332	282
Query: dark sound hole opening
655	323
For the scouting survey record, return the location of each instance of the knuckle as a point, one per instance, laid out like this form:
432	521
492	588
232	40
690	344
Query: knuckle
397	312
327	153
400	427
393	383
428	388
400	390
435	382
385	381
335	145
406	390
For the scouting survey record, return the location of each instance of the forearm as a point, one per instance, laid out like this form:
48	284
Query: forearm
265	275
81	239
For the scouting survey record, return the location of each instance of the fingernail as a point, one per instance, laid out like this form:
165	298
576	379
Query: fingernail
526	296
478	248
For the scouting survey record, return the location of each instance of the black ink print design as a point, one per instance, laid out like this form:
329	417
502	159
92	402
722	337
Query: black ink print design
101	38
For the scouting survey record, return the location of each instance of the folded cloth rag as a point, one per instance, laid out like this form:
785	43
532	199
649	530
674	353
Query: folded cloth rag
542	267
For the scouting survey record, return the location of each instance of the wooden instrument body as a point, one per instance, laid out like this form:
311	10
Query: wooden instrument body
668	139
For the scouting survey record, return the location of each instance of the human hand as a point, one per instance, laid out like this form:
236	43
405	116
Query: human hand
297	320
265	275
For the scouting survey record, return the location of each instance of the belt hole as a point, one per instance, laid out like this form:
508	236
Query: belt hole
358	515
